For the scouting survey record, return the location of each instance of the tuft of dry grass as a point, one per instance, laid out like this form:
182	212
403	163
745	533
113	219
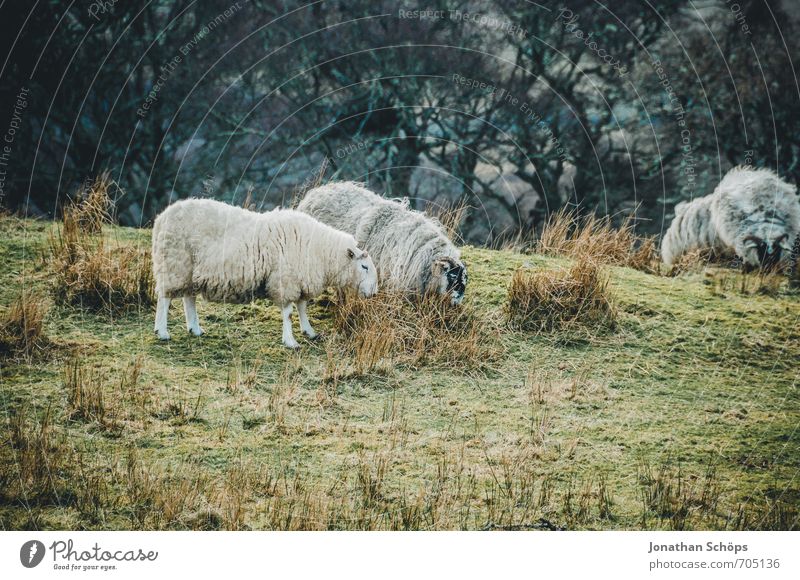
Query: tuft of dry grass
243	376
671	495
21	327
92	206
282	396
557	299
568	234
450	217
693	261
40	466
161	500
391	327
181	409
249	201
86	401
89	272
775	514
39	458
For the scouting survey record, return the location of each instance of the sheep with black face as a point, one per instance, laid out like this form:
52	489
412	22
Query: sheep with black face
411	250
752	213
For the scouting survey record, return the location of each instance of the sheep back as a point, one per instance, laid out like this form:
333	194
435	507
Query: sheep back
229	254
746	203
403	243
691	229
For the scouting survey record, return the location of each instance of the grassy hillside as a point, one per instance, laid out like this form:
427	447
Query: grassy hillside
683	415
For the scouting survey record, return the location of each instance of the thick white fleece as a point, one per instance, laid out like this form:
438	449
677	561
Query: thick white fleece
752	213
411	250
229	254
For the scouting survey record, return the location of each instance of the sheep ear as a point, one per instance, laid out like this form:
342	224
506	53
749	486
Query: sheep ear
350	253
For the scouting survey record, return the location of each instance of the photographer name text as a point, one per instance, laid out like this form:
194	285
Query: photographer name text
707	547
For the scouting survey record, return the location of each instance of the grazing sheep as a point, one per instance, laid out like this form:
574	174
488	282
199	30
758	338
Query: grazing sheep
752	213
229	254
411	250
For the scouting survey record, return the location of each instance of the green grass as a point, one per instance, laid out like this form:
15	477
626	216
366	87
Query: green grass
684	415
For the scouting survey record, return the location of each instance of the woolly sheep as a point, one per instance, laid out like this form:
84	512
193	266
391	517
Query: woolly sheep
752	213
411	250
229	254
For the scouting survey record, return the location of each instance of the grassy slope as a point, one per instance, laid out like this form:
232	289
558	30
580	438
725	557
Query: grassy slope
559	429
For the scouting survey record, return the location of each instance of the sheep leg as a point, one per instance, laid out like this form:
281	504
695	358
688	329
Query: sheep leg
305	325
288	337
162	309
190	310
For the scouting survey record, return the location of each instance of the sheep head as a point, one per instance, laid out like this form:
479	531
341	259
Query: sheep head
363	275
449	276
764	245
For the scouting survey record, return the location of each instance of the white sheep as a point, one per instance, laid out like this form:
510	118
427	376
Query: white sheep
229	254
752	213
411	250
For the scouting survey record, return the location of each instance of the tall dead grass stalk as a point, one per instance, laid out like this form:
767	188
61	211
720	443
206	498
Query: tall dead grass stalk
568	234
21	327
398	329
89	271
556	299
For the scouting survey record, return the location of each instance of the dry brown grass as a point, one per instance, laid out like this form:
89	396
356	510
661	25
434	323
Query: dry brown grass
392	328
567	234
86	399
160	500
699	259
21	327
282	396
757	282
725	274
243	376
560	299
41	466
450	217
694	261
35	461
90	272
671	495
249	201
92	206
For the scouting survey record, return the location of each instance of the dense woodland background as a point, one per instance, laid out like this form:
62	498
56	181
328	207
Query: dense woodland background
180	98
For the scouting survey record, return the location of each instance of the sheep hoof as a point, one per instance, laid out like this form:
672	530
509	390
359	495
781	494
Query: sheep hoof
196	332
163	335
293	344
312	335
